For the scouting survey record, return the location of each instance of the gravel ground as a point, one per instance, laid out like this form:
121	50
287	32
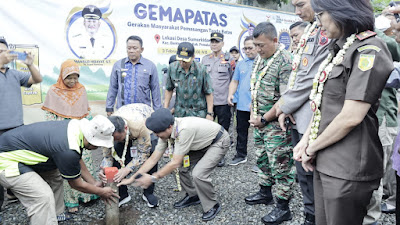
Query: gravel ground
233	184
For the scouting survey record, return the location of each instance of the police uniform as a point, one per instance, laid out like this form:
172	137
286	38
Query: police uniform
348	171
220	70
88	47
296	101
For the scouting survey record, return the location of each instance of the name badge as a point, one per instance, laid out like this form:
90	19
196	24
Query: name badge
186	161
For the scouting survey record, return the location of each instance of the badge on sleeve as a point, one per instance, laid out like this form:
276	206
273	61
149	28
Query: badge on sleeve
323	40
186	161
366	62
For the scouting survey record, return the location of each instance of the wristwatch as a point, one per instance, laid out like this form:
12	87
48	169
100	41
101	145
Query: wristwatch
264	121
154	179
210	113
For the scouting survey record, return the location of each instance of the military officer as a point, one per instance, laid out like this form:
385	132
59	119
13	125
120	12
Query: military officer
269	77
92	44
220	67
312	49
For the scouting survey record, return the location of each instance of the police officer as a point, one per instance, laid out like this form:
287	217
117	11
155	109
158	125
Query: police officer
90	43
295	100
220	67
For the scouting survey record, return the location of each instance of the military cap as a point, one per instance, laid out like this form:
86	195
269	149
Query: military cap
217	36
91	12
160	120
185	51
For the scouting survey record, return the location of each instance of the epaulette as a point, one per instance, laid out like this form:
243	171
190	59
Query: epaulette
366	34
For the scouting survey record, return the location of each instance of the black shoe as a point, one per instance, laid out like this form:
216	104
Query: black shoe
221	163
187	201
309	220
279	214
210	214
259	198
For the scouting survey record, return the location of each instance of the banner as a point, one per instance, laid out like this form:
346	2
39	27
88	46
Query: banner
98	40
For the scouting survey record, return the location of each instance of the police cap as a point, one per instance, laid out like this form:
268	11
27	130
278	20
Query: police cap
217	36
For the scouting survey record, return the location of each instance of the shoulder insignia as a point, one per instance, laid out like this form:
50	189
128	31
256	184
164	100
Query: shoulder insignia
364	35
368	47
366	62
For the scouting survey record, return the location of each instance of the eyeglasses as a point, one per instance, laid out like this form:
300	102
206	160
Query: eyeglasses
318	16
247	48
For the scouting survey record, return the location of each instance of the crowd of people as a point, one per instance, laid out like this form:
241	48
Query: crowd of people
324	113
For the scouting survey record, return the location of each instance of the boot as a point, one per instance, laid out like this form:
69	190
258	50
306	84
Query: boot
264	196
279	214
309	220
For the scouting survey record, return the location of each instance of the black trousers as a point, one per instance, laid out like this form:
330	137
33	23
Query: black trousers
305	179
242	128
223	114
119	147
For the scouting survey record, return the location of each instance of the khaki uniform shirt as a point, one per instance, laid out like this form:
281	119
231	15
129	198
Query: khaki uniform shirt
220	70
135	115
361	76
190	134
296	101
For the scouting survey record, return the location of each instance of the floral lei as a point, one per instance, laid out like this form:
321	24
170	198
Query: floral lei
299	51
318	85
115	155
255	83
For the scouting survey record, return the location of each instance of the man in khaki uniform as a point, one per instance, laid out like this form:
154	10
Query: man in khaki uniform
199	144
219	67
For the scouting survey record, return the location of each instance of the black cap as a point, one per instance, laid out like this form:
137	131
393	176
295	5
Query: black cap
160	120
234	48
217	36
3	41
172	59
185	51
91	12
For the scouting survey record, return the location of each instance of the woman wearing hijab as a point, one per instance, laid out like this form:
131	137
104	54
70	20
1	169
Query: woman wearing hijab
67	99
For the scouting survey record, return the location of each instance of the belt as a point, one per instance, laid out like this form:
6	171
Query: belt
220	133
204	150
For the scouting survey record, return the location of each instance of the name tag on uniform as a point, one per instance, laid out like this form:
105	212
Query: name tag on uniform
186	161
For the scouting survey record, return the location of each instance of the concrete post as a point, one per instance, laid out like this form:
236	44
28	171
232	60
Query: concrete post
112	211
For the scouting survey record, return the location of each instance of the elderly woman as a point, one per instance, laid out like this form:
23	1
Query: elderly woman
342	138
67	99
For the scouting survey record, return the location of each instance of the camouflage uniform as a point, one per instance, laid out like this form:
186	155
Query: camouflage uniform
273	146
191	89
